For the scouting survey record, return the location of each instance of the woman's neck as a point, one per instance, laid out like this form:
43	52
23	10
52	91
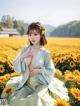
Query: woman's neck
36	46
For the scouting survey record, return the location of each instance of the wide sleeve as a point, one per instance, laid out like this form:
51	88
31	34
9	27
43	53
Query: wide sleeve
48	70
20	66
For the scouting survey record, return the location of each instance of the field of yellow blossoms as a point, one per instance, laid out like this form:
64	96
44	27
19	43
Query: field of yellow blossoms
65	53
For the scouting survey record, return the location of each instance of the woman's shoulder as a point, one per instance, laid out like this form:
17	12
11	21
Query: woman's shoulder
25	47
46	51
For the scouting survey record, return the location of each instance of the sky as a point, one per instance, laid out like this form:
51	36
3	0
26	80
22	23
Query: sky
53	12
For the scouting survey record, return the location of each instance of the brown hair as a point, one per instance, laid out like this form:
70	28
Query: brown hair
38	27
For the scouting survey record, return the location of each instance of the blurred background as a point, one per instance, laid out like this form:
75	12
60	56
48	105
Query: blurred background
60	17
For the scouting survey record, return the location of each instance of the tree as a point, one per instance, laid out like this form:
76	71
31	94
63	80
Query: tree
0	26
10	22
15	24
7	21
22	31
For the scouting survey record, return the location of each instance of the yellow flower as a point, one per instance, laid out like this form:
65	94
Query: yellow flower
76	72
7	76
68	72
72	64
1	79
14	74
58	73
62	59
67	57
78	59
56	60
69	77
71	55
43	30
61	102
8	89
3	59
2	69
75	93
78	79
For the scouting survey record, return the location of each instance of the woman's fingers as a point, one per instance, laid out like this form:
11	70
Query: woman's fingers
31	74
26	55
34	73
30	53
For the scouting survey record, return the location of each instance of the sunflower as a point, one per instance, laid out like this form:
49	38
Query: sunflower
61	102
14	74
72	64
69	77
78	79
71	55
62	59
56	60
1	79
75	93
9	61
67	72
78	59
2	69
7	76
8	89
58	73
67	56
76	72
3	59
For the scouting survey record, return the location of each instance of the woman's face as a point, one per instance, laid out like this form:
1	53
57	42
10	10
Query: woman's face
34	37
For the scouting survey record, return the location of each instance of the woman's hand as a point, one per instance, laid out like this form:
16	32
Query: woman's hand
34	72
27	55
30	54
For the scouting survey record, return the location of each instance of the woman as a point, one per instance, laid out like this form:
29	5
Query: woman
37	70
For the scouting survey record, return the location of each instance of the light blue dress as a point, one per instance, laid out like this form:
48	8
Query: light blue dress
34	91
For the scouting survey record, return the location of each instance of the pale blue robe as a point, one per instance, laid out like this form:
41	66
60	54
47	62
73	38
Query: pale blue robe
34	91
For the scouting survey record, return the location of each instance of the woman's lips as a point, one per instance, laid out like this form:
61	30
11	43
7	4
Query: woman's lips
33	41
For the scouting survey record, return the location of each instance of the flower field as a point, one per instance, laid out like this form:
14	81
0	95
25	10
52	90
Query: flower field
65	53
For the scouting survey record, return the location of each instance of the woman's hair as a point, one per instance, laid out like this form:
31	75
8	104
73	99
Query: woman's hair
40	29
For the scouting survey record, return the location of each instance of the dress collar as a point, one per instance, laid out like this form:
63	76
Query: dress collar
36	46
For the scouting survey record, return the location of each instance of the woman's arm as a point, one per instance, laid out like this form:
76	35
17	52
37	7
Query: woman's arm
48	70
19	65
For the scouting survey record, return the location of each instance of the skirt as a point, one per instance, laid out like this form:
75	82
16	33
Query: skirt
32	93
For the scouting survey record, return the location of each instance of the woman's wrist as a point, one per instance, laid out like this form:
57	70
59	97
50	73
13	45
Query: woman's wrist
34	72
39	71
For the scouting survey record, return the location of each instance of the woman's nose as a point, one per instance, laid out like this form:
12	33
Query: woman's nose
32	36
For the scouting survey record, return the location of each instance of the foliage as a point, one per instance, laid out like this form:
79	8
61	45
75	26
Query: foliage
10	22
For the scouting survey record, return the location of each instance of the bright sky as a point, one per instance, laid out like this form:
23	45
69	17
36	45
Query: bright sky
53	12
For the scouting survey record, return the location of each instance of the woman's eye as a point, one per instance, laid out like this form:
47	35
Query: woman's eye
29	34
35	34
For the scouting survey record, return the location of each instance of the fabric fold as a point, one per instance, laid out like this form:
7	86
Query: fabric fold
48	70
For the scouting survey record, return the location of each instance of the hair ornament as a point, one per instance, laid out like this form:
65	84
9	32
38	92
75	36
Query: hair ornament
43	30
